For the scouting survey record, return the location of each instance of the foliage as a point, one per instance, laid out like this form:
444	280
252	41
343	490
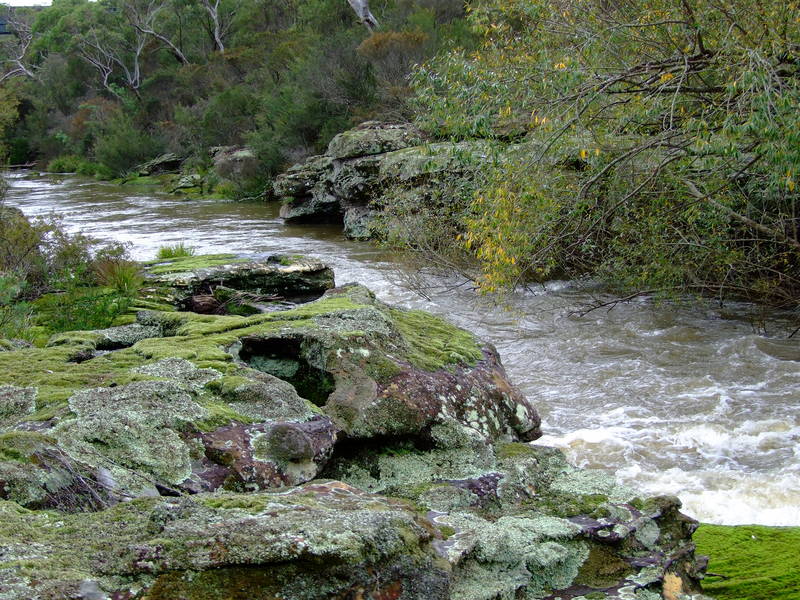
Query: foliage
14	315
178	250
660	142
8	115
118	82
67	163
80	308
48	277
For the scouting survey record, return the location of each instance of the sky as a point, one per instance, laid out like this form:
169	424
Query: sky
26	2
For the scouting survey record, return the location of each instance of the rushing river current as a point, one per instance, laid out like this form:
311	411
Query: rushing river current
676	399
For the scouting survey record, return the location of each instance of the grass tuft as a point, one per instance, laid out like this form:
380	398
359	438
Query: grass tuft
178	250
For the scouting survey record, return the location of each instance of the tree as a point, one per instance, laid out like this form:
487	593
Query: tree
143	16
361	8
17	48
662	142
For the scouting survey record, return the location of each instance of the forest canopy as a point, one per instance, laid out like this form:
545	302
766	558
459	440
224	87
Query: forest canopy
117	82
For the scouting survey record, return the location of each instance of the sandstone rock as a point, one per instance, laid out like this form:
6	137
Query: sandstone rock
373	137
166	163
192	281
341	448
364	169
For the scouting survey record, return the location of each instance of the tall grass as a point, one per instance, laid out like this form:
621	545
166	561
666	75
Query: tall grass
124	276
178	250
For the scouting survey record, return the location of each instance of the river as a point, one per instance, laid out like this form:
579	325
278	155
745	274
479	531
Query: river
680	399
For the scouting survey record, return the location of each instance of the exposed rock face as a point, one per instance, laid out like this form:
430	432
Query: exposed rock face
367	168
342	448
213	284
166	163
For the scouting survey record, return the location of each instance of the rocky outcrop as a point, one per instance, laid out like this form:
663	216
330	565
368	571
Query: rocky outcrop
367	168
165	163
218	284
340	448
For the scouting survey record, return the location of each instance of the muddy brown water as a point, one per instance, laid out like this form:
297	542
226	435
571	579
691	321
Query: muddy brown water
681	399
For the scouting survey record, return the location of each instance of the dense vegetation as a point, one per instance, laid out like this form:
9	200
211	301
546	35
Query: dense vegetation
662	142
52	280
112	83
654	145
750	562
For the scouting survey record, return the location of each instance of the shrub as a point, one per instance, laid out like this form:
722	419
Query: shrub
68	163
15	316
661	143
121	144
80	308
175	251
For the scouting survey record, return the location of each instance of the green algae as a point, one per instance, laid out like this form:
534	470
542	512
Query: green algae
434	343
751	562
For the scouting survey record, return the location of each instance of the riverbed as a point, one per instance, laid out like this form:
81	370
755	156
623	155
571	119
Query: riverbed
696	400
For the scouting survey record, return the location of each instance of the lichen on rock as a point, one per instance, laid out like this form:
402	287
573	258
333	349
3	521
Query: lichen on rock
338	448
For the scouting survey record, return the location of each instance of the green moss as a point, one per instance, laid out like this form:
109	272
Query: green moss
514	450
238	583
143	180
446	531
251	503
568	505
17	446
433	342
219	415
49	370
603	568
190	263
756	562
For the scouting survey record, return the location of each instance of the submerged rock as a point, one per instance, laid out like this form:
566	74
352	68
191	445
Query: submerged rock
342	448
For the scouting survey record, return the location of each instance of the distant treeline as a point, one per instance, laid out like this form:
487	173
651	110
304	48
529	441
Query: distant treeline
117	82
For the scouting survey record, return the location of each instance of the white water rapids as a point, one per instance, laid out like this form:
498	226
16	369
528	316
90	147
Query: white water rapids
687	400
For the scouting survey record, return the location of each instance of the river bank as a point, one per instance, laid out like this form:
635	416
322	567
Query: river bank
372	261
691	399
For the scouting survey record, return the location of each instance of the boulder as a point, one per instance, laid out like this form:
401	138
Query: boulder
166	163
366	169
234	162
373	137
208	284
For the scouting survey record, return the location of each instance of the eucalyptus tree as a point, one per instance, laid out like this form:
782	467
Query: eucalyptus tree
16	45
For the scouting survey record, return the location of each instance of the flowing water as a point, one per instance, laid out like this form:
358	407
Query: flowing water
687	400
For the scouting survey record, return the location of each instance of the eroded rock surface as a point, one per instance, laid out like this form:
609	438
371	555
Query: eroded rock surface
368	168
341	448
225	283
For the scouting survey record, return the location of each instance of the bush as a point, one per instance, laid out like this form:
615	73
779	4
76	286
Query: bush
661	143
80	308
120	145
15	316
65	164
